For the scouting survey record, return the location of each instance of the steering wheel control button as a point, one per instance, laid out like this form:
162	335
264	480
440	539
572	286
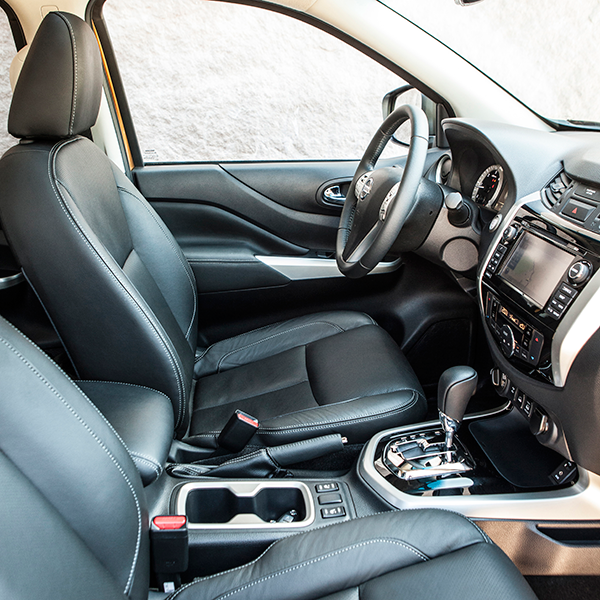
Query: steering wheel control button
579	272
327	487
331	498
507	340
361	190
579	211
333	512
387	201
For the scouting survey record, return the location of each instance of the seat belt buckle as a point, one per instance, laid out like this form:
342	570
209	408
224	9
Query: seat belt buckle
238	431
170	549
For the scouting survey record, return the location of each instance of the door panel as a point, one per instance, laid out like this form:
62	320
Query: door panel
294	185
211	184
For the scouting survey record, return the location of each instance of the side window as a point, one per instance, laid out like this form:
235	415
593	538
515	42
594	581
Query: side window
7	53
215	81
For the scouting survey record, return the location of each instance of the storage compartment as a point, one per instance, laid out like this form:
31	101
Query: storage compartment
243	504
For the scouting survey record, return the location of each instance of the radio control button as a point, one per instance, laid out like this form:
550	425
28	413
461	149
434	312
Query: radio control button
567	290
553	313
579	272
510	233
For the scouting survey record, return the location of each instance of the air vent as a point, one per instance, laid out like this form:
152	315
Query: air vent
553	193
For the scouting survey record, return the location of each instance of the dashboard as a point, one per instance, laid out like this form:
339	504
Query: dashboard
535	197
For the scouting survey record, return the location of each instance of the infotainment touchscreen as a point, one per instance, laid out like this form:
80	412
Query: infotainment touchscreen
535	268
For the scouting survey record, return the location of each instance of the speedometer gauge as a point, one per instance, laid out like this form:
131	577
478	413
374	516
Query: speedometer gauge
488	186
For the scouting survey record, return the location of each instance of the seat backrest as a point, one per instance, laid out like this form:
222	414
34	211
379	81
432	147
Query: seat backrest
109	273
74	520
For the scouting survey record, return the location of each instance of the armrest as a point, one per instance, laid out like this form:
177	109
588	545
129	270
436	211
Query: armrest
141	416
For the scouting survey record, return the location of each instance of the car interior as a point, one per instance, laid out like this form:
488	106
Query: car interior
295	379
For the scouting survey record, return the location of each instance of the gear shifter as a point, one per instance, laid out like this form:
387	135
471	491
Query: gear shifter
455	388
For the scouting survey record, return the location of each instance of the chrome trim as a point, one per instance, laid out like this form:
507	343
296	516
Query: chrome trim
438	169
246	489
579	502
11	280
580	322
298	267
333	195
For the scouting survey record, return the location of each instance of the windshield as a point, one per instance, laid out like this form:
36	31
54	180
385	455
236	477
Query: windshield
544	52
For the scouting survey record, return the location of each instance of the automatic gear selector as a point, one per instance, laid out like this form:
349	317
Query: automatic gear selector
433	454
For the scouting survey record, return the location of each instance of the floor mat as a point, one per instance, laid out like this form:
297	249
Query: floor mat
566	587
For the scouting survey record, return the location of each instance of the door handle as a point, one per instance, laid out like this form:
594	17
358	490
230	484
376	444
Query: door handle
333	195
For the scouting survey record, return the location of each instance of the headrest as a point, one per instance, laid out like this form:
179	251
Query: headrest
58	91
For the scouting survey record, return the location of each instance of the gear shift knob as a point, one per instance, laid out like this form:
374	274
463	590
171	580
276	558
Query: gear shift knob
455	388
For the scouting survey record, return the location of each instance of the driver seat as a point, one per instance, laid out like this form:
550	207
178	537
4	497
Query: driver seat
123	298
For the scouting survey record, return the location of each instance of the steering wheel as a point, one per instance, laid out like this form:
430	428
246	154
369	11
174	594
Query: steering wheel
379	201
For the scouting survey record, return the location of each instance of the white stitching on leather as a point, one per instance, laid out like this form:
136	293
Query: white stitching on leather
156	467
274	335
75	69
79	229
160	225
78	389
235	337
422	556
486	539
279	430
112	458
142	387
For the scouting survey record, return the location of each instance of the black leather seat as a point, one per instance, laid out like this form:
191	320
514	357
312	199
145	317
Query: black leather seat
123	297
75	520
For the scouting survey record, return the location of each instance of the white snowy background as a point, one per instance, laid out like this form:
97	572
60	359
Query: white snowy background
212	81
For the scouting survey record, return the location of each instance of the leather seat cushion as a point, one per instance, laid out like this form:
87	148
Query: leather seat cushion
416	554
354	381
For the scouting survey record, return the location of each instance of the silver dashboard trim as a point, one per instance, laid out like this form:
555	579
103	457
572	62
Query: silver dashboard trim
247	488
579	502
297	267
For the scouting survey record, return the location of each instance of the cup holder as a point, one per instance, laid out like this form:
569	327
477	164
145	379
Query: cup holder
243	504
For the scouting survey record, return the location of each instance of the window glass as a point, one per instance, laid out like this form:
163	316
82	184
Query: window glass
7	53
543	51
219	81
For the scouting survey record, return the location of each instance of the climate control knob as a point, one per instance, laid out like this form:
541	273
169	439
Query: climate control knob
579	272
507	340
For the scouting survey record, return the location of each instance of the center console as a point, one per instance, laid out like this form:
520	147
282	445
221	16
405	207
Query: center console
539	296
